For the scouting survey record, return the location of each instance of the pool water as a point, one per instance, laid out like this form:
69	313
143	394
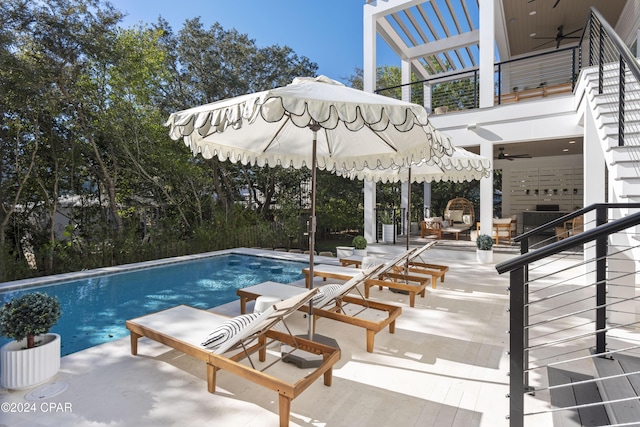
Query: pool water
94	309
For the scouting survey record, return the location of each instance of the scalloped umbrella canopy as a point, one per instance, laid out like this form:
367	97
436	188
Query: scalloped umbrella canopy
356	128
312	121
460	166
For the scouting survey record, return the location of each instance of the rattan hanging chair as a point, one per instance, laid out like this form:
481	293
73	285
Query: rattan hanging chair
460	210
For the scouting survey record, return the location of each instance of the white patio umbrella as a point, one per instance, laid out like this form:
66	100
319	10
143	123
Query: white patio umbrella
460	166
313	122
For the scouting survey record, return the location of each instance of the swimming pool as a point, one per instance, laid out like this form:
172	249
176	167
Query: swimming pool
94	309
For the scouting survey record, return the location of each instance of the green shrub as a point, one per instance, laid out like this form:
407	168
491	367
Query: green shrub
484	242
29	315
359	242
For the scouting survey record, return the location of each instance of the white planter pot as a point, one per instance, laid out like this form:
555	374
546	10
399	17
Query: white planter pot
360	252
484	257
23	368
388	231
344	251
415	228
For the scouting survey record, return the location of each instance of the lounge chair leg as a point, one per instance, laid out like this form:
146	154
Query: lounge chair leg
243	305
262	353
211	378
370	337
285	410
134	343
328	376
412	299
392	327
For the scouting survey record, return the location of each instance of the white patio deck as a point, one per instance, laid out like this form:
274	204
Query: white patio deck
446	365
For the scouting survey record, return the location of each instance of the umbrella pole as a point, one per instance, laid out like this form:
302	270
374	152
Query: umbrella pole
312	220
408	221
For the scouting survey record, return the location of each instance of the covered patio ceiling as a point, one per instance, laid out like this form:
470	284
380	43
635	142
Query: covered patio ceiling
441	36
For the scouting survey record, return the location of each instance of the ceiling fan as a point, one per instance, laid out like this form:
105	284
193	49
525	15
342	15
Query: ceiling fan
560	36
502	156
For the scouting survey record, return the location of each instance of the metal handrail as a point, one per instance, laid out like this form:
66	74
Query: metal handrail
473	71
617	41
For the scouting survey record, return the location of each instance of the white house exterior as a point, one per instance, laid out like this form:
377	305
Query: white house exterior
567	133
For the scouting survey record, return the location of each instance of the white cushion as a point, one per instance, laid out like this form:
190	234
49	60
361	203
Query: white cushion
456	215
229	329
325	294
466	219
502	220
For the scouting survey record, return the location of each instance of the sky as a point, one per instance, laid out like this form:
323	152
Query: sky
328	32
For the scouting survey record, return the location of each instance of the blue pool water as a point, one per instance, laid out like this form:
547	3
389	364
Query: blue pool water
94	309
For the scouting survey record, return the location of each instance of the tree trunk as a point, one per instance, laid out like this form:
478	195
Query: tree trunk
31	341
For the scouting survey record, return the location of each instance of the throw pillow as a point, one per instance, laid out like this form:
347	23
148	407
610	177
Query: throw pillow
228	330
325	294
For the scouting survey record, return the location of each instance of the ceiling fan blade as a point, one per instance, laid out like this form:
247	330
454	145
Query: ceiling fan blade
543	44
558	44
573	32
557	1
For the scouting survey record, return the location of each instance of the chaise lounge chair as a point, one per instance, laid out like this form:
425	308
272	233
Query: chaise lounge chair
222	343
395	275
415	263
333	302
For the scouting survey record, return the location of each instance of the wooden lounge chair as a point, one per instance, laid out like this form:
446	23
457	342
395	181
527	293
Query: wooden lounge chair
185	328
413	285
415	262
336	304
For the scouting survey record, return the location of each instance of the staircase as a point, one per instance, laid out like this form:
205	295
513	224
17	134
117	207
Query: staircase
623	162
574	333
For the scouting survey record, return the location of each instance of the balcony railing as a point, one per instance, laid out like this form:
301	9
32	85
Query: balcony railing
538	75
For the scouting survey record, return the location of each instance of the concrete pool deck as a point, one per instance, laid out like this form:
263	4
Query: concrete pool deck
446	365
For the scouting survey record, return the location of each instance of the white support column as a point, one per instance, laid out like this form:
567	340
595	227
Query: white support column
370	211
369	85
426	91
404	189
487	47
486	192
427	199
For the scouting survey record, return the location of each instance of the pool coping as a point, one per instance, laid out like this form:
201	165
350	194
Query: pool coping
47	280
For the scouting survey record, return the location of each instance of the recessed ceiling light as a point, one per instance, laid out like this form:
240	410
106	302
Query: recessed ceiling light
572	142
565	149
533	12
532	35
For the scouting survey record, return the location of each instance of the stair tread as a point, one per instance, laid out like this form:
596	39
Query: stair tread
617	388
573	395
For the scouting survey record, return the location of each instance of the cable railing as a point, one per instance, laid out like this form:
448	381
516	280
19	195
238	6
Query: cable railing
618	77
533	76
574	330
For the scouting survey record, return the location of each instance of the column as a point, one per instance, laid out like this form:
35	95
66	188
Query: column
369	85
487	46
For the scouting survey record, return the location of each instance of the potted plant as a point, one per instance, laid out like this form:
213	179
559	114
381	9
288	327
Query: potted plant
359	246
388	231
34	356
484	243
